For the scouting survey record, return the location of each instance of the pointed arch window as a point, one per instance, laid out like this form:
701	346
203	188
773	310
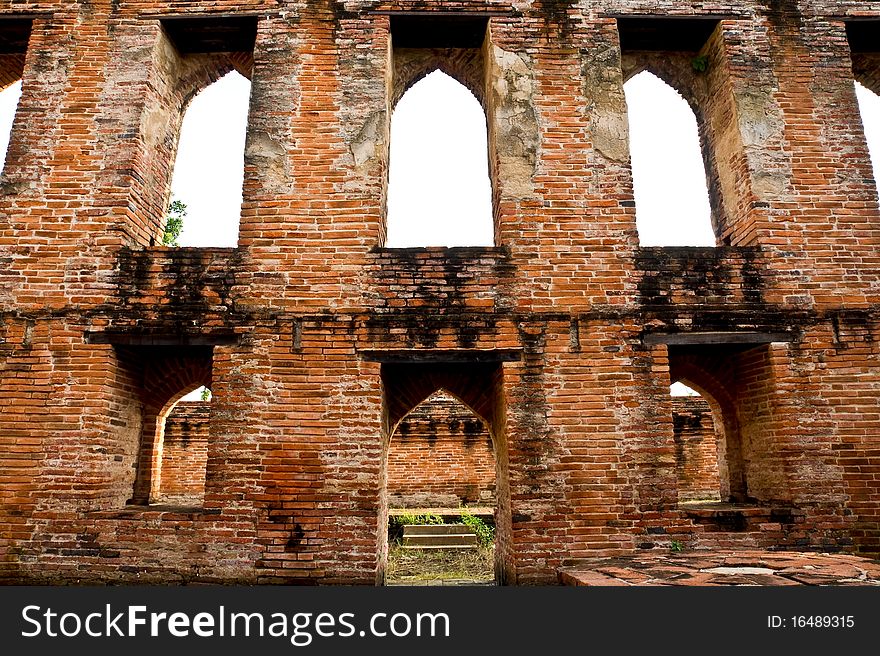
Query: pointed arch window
439	190
441	455
439	193
9	98
15	34
209	167
669	174
869	105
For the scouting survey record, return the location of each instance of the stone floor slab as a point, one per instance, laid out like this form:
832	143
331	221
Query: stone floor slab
732	568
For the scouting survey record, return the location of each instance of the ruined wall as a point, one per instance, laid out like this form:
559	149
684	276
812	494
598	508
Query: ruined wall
696	450
563	337
441	456
185	454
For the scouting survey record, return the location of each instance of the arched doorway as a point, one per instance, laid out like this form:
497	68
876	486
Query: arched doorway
471	401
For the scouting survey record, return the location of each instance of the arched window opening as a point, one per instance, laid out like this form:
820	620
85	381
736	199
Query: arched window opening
209	169
439	192
174	405
698	446
669	175
184	451
15	33
869	105
9	98
441	494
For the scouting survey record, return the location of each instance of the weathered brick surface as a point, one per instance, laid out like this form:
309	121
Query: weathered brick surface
316	341
441	456
696	449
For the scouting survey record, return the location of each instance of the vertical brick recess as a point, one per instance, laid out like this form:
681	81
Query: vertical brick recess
185	454
320	345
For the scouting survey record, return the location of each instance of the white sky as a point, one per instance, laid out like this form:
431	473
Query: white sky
680	389
669	179
8	102
869	104
443	197
209	171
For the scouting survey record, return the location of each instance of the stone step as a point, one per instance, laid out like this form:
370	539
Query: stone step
440	540
443	547
437	529
439	536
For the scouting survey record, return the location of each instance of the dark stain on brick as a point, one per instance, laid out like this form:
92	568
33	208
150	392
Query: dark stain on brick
294	542
531	409
556	13
784	13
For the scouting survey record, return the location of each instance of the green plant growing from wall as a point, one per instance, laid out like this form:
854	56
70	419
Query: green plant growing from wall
700	64
174	223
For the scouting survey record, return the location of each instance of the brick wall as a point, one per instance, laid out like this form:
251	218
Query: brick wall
441	457
316	341
696	449
185	454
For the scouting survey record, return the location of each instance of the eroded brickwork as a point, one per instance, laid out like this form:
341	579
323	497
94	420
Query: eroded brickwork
316	341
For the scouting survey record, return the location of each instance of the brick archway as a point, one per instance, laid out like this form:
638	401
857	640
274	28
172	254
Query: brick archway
464	65
169	374
479	386
441	455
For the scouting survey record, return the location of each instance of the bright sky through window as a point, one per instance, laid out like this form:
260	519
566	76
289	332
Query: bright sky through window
209	170
439	192
680	389
669	179
869	104
8	102
214	132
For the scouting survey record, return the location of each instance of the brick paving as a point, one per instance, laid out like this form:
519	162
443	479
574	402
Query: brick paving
780	568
